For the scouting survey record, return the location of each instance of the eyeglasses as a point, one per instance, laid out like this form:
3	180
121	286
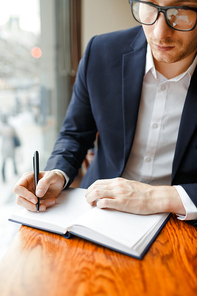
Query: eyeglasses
180	18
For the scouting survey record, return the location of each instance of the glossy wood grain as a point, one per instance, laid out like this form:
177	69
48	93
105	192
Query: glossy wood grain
40	263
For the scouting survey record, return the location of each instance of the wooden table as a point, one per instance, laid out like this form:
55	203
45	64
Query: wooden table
44	264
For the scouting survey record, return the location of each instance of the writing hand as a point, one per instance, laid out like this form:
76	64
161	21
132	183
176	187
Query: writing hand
49	186
134	197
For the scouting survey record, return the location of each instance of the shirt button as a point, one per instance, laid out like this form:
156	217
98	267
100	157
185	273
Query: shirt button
163	87
148	159
155	125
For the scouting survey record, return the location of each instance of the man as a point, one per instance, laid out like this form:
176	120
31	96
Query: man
141	98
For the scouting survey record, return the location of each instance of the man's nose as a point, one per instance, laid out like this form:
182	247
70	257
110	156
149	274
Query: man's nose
161	28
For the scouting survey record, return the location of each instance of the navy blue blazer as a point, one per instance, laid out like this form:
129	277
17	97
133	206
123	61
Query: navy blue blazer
106	99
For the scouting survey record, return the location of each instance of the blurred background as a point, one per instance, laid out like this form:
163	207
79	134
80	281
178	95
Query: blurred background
41	43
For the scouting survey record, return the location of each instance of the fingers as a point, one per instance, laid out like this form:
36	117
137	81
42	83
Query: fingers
50	184
97	194
107	203
48	188
102	189
124	195
44	183
114	193
25	187
44	204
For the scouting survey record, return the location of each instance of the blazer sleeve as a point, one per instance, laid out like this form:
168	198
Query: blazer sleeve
191	190
78	131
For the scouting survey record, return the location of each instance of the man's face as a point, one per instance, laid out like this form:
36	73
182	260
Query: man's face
167	44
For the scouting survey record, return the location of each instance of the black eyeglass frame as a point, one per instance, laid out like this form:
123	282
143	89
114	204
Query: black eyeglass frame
164	9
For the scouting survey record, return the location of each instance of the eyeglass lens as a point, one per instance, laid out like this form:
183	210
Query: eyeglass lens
180	19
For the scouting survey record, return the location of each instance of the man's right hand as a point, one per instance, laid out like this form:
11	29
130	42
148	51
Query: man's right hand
49	186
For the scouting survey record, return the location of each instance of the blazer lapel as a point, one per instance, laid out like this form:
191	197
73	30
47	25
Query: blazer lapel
188	124
132	80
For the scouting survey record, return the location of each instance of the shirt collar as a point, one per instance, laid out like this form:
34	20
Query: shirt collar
149	62
151	67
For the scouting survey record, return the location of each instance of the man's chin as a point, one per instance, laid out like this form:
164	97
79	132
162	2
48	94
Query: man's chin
164	57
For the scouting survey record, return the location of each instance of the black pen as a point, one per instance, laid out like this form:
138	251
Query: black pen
36	174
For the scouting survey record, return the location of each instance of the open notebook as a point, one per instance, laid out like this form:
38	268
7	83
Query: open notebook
127	233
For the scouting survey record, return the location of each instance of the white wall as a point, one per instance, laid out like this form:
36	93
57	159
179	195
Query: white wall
102	16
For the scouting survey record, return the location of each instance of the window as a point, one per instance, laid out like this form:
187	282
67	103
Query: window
35	87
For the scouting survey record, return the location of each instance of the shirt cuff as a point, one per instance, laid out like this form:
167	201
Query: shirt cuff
190	208
65	177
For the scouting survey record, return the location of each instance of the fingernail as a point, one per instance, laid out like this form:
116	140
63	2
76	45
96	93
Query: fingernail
52	203
42	208
39	192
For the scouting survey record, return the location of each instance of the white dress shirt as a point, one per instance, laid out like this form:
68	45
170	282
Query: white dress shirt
152	154
161	106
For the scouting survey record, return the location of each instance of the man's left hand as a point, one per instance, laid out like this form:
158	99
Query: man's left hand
134	197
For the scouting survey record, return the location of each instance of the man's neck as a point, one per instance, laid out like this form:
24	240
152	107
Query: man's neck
171	70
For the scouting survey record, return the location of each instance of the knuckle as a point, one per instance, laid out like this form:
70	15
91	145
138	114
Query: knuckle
123	202
15	189
119	182
96	192
105	203
102	203
18	201
93	186
26	174
119	179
